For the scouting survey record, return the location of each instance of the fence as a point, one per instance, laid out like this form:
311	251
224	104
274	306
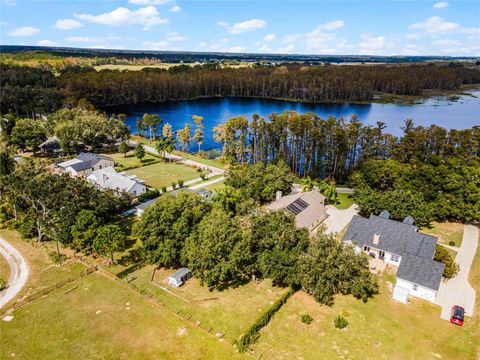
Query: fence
36	295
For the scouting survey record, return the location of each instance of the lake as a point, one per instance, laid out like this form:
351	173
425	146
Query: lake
460	114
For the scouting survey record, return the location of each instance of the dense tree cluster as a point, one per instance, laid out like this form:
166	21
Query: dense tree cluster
295	82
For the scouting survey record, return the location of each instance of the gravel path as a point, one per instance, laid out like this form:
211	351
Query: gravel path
18	271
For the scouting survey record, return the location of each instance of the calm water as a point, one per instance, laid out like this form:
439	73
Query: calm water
460	114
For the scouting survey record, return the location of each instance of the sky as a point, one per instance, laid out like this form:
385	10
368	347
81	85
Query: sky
261	26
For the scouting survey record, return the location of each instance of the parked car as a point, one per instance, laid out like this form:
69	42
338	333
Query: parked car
457	316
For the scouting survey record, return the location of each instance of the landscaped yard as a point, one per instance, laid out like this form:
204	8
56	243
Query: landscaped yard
344	201
446	232
163	173
130	161
215	187
229	312
378	329
101	319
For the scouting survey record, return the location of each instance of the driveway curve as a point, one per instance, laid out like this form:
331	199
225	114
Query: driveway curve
18	272
457	291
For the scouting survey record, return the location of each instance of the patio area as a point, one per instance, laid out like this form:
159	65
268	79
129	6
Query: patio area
376	266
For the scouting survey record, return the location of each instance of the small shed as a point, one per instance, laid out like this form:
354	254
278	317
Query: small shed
400	294
180	277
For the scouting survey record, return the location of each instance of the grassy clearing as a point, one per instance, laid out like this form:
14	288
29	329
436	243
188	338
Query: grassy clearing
162	174
132	67
230	312
215	187
102	319
4	269
474	280
446	232
379	329
344	201
211	162
130	161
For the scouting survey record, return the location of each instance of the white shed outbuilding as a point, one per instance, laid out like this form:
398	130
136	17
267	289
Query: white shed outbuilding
400	294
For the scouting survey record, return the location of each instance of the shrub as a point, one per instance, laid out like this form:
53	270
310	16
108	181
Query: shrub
3	284
306	319
199	170
57	259
451	243
451	267
150	194
253	333
180	183
203	176
174	185
340	322
164	189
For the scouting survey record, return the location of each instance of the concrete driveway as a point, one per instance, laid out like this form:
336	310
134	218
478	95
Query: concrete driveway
457	291
338	219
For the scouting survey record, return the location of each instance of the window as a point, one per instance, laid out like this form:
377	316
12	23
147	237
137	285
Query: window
395	258
415	287
366	248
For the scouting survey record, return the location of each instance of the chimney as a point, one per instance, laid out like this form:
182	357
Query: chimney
278	195
376	238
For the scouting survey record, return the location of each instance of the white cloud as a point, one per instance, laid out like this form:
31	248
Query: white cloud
322	40
24	31
236	49
80	39
47	43
244	26
67	24
270	37
413	36
435	24
175	9
175	36
157	45
332	25
447	42
147	16
264	48
440	5
286	49
290	38
148	2
372	45
202	45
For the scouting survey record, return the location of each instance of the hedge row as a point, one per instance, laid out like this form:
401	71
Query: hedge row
252	334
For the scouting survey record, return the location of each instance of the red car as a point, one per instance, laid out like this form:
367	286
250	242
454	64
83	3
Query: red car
458	313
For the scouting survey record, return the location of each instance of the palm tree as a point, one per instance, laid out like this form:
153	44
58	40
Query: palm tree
307	184
160	146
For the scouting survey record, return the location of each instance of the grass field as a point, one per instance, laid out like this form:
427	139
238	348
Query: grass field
344	201
162	66
446	232
215	187
212	162
130	161
102	319
378	329
230	312
163	173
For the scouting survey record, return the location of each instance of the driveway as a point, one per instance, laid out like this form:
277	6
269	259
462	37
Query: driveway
18	272
457	291
338	219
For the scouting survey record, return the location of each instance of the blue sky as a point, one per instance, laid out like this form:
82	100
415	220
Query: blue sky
303	27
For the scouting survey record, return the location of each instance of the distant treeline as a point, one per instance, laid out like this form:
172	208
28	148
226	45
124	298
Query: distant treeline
26	90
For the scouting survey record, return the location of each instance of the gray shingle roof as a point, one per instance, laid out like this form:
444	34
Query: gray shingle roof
421	271
400	238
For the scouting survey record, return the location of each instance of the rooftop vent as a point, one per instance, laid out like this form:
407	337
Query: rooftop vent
278	195
384	214
376	239
409	220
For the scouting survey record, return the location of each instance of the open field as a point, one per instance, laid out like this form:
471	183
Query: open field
215	187
378	329
212	162
344	201
446	232
163	66
163	173
230	312
101	319
130	161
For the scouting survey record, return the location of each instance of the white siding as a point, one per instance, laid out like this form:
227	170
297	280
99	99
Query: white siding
420	291
388	259
138	189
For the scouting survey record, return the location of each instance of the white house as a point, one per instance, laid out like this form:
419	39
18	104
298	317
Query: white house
402	245
84	164
308	207
108	178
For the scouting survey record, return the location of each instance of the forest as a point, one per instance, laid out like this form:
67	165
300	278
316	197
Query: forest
26	90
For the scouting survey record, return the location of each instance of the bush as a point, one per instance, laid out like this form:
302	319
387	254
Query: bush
252	334
57	259
340	322
174	185
180	183
203	176
150	194
306	319
164	189
451	267
3	284
451	243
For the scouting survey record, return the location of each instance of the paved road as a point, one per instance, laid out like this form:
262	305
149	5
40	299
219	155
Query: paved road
338	219
18	272
457	291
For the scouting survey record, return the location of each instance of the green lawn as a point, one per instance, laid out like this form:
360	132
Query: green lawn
162	174
229	312
215	187
101	319
378	329
211	162
4	269
130	161
446	232
344	201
